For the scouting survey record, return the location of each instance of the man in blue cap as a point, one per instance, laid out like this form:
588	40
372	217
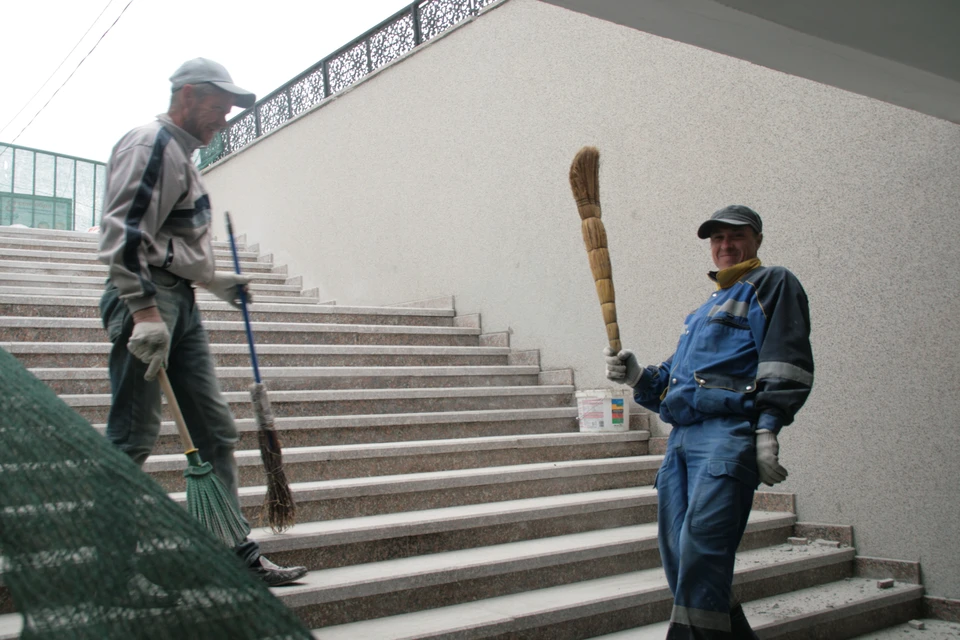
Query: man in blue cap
156	239
741	371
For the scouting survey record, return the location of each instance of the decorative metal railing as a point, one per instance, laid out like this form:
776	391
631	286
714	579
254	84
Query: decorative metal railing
47	190
395	36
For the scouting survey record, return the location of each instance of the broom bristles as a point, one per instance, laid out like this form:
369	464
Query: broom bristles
209	502
279	509
585	184
585	178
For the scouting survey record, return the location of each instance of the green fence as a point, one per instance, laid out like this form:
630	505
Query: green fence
47	190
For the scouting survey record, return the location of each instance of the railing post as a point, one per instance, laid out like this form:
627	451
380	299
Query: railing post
417	35
289	104
93	207
55	192
326	77
256	121
75	194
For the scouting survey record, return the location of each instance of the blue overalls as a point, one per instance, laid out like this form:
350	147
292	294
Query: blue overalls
743	363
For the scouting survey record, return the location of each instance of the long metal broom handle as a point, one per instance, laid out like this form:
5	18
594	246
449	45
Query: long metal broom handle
185	438
243	302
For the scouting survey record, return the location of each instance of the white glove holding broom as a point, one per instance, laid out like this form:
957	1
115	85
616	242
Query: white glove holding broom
150	340
623	367
227	287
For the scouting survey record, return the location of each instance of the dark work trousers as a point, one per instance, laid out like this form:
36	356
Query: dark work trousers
705	490
133	424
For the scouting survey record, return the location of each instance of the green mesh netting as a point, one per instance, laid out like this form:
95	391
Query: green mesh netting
91	547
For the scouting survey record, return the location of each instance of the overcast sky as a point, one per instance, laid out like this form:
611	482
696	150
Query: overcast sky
125	81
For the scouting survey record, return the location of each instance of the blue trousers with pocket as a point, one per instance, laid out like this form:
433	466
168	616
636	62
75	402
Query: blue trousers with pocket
705	490
133	424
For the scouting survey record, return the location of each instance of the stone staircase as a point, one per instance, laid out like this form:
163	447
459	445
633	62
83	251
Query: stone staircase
443	487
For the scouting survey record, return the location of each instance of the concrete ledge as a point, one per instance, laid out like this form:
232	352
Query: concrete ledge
815	531
770	501
942	608
500	339
556	376
530	357
440	302
884	568
472	320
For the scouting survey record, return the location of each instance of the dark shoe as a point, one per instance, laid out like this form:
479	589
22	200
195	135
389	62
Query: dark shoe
139	593
275	576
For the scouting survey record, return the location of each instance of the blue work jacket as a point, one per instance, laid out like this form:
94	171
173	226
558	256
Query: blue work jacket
745	352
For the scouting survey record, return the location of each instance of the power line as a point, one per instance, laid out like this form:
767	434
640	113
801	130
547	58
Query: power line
72	72
63	62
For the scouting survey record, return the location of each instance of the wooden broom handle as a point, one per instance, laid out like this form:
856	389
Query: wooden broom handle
185	438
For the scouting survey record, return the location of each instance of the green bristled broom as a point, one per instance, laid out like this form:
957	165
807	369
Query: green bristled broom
207	498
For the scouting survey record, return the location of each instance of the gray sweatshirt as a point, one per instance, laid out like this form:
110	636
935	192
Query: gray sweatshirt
156	212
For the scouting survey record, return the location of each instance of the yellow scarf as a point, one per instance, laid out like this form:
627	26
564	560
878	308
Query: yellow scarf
726	278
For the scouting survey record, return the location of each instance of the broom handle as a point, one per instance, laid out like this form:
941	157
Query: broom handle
185	438
243	302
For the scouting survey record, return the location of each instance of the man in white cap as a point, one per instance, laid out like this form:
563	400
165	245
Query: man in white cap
156	238
741	371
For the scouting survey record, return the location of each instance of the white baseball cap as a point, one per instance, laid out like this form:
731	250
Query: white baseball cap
201	70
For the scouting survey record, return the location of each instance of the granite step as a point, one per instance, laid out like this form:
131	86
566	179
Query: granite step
262	283
445	595
306	297
334	462
66	380
288	309
837	610
94	354
351	541
89	237
98	269
395	427
94	407
371	538
932	629
251	261
13	268
221	250
348	541
370	590
8	231
90	330
352	497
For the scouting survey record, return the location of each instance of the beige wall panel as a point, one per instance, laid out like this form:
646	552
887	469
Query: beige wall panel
447	174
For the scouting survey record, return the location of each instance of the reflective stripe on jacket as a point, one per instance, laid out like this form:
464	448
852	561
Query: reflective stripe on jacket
745	352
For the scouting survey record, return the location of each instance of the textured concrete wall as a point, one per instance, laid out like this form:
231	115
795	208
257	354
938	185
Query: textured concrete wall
447	174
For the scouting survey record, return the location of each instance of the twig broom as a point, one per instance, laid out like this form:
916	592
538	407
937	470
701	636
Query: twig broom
279	509
585	184
207	498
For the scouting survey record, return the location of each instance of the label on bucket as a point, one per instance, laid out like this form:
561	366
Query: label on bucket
601	411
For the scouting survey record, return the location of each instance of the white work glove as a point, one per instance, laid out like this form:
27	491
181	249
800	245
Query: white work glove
225	286
622	367
150	342
768	465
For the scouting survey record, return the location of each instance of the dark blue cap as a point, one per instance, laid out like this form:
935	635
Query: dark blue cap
736	215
